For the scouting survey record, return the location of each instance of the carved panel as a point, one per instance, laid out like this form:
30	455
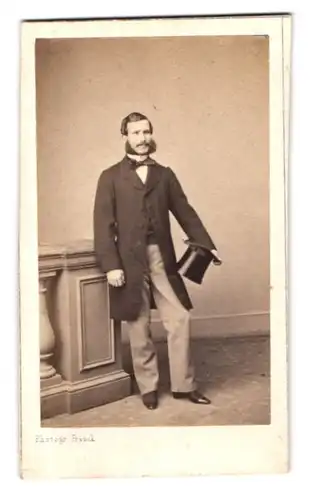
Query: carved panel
95	328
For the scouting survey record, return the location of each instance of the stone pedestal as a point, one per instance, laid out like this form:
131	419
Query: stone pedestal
88	342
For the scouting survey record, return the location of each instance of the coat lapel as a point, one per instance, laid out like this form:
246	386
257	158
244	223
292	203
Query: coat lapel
153	178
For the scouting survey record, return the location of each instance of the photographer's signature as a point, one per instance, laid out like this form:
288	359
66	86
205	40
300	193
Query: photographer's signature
61	438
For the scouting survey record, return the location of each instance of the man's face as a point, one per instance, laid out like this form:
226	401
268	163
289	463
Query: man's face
139	137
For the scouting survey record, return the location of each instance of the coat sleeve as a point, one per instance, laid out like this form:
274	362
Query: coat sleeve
185	215
105	225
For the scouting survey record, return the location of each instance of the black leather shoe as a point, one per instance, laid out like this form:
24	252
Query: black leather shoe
193	396
150	400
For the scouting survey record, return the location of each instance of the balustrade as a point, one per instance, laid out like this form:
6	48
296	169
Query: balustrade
80	346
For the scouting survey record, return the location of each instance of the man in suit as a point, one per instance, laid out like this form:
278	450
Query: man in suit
134	248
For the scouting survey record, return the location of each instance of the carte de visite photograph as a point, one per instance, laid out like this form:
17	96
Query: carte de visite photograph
156	200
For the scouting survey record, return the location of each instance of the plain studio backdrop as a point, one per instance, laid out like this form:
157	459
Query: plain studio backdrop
207	98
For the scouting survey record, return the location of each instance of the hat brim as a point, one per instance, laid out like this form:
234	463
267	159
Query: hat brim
195	245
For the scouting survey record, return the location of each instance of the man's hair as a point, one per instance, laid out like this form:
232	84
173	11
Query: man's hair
133	117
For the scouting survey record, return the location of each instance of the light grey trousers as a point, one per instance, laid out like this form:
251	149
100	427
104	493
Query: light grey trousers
176	320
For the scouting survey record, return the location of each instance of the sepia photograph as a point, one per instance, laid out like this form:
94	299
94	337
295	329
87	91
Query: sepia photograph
153	241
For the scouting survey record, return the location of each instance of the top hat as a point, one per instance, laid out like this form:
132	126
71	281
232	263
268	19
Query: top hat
195	261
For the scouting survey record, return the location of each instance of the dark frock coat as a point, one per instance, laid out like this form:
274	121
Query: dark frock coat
120	230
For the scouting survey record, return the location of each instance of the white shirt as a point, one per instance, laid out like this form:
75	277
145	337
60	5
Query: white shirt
141	171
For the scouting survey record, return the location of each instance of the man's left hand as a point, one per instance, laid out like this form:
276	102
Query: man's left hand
218	260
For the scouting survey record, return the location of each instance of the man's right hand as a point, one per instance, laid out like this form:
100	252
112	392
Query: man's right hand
116	277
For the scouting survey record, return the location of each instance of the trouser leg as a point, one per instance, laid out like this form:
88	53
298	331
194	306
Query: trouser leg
143	352
176	320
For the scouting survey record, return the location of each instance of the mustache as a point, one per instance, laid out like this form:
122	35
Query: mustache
152	147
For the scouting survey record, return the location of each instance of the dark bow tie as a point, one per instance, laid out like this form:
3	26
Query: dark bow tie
135	164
